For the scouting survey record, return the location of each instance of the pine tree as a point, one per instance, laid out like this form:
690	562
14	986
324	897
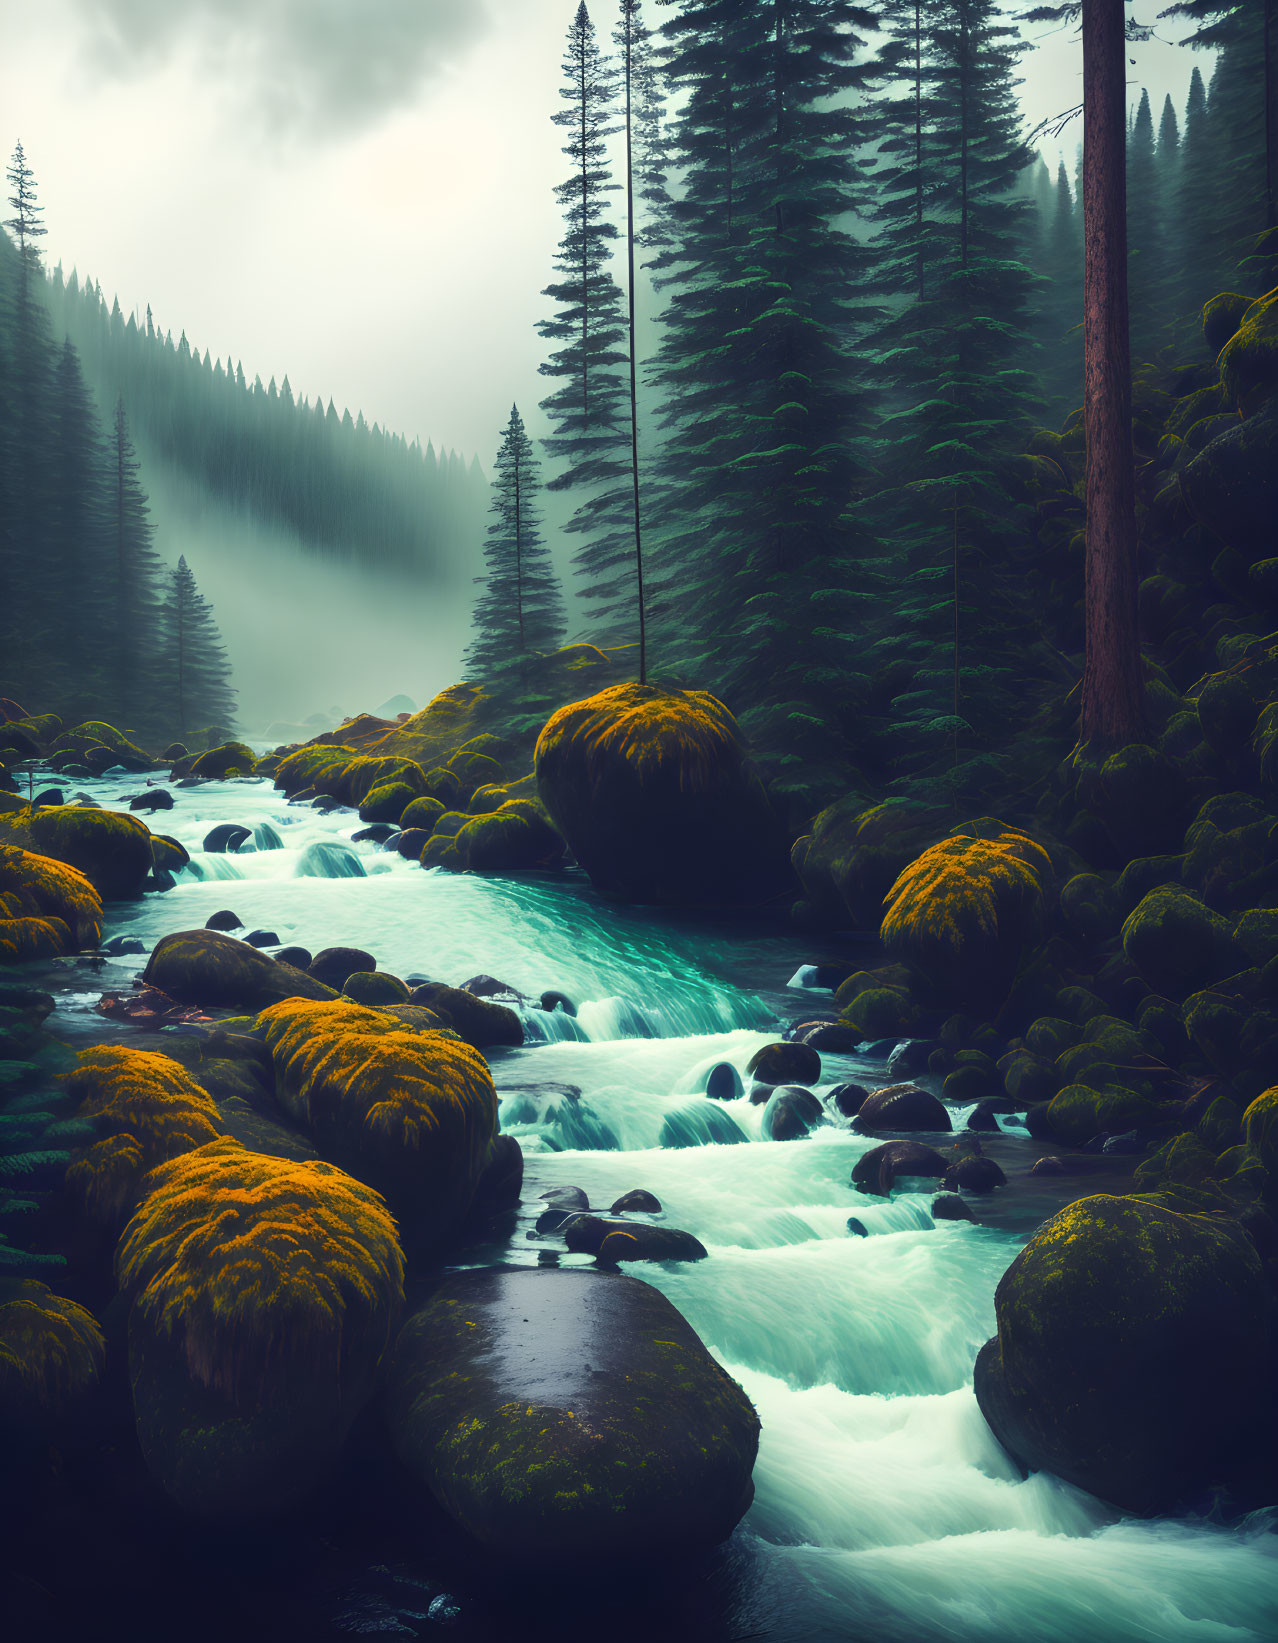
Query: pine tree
135	580
591	436
1062	303
520	610
79	592
1200	256
956	362
1145	252
764	407
194	674
26	489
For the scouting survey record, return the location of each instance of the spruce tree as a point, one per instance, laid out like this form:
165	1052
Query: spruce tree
520	610
956	364
193	672
1200	258
1145	252
79	592
130	684
764	407
588	411
1062	303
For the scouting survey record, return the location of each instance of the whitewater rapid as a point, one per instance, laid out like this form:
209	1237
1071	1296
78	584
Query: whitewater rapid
884	1508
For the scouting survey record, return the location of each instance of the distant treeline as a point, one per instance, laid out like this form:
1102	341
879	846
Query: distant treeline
345	488
92	625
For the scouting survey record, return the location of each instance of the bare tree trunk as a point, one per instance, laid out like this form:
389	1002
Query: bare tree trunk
1113	692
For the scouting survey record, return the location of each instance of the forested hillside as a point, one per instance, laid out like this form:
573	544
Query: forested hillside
870	294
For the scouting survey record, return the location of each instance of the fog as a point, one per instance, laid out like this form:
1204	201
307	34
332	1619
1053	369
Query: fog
357	196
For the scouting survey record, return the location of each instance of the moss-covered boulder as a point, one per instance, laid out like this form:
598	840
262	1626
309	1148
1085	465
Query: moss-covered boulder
1187	1297
1089	907
84	739
483	1024
854	855
263	1293
1260	1130
1249	359
404	1106
654	792
388	802
1231	486
216	971
47	908
111	849
965	912
1179	945
219	763
518	835
571	1417
785	1063
421	812
143	1109
375	987
1222	316
51	1357
1079	1112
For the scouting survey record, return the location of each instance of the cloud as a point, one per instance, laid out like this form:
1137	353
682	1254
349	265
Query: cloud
307	66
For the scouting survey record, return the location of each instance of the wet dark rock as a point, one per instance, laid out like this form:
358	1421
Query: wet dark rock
568	1197
760	1093
846	1099
551	1001
974	1174
555	1219
123	946
877	1170
1038	1123
911	1058
49	795
1050	1164
785	1064
796	1027
409	843
173	752
723	1082
158	799
262	938
639	1198
790	1113
502	1182
830	973
482	986
225	839
1127	1143
950	1207
159	879
223	920
325	803
857	1227
902	1107
335	965
617	1437
375	833
830	1036
482	1024
298	957
588	1234
984	1115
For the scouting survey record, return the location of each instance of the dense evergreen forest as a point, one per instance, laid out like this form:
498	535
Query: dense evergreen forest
870	298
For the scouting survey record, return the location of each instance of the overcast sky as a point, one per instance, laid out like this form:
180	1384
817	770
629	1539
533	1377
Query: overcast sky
355	192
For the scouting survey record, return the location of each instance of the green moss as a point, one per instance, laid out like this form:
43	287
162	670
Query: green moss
423	812
1177	944
375	987
1089	907
389	802
1078	1112
1222	316
1051	1036
230	759
1249	360
880	1012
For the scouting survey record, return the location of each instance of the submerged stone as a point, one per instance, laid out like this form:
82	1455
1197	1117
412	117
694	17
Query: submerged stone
570	1415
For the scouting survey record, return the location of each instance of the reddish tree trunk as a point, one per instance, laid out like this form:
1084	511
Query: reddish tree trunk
1113	692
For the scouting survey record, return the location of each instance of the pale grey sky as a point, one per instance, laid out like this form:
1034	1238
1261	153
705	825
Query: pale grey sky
355	192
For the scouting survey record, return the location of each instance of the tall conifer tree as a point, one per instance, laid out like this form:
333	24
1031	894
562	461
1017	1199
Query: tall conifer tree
520	610
135	565
193	671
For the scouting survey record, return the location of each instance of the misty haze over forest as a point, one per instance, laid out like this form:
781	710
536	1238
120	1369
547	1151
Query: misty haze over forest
403	172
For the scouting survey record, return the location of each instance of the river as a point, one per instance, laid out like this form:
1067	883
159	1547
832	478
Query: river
884	1508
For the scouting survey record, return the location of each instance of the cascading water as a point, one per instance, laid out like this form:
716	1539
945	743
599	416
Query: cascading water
884	1507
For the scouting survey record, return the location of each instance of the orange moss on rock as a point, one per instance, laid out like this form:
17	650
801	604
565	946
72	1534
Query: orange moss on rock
47	908
410	1109
255	1266
51	1356
112	850
655	795
146	1109
965	910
